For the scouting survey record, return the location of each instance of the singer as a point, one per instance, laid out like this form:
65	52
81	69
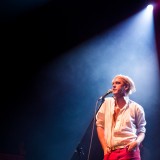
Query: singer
121	122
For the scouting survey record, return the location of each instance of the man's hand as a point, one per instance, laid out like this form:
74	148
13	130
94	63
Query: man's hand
133	145
107	150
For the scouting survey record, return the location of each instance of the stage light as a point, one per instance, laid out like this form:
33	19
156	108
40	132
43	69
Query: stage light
150	7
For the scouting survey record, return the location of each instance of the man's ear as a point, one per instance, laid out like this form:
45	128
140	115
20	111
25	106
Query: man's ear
126	87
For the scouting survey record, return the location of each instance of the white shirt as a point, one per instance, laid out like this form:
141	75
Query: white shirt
129	123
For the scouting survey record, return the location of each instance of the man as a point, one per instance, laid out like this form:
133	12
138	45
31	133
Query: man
121	122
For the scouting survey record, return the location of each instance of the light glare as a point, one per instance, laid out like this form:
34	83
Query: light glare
150	7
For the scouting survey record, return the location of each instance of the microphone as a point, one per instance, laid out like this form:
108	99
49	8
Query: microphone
107	93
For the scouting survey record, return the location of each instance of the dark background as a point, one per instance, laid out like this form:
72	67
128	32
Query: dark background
34	35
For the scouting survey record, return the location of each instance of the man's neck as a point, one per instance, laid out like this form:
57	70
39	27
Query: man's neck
120	102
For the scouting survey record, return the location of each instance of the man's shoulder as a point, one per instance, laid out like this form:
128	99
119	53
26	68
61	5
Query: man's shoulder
136	105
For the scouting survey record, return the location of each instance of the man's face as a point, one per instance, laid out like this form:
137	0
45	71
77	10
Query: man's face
118	87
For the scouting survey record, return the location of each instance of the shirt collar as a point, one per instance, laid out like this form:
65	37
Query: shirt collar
126	98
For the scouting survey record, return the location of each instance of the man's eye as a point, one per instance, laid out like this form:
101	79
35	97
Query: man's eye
116	83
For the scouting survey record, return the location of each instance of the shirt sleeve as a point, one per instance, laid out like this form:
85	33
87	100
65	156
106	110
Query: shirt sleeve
140	120
100	117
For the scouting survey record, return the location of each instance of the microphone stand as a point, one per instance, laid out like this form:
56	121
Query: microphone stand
97	107
81	150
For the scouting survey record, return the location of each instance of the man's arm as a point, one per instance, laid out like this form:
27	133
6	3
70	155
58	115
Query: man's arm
100	132
140	138
137	142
